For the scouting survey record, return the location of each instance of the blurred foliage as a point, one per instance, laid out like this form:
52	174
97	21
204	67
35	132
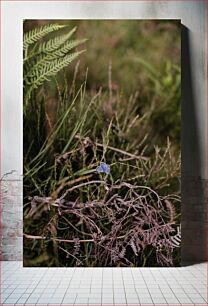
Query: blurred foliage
120	103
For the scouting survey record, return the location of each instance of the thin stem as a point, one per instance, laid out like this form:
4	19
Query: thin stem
81	185
123	152
64	240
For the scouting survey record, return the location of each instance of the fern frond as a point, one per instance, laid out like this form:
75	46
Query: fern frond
123	252
176	240
67	47
45	59
34	64
55	43
29	64
52	68
134	246
34	35
170	209
48	70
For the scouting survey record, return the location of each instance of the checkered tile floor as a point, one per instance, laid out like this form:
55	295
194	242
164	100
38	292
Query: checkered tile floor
103	286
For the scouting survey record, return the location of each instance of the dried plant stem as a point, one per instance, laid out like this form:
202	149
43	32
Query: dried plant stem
64	184
81	185
83	233
122	152
124	221
64	240
69	253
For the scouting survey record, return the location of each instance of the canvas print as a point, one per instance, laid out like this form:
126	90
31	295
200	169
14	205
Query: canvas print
101	111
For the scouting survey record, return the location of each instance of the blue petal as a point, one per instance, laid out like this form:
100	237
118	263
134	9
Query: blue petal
99	169
105	168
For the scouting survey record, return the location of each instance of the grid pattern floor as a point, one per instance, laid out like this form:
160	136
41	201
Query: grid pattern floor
103	286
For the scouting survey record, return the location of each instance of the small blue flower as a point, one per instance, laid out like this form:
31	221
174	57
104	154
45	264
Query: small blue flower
103	168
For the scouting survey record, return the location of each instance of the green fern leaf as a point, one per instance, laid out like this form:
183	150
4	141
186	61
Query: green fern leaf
55	43
43	59
34	35
67	47
48	70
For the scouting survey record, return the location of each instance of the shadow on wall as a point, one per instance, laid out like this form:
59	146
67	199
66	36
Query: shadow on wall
193	186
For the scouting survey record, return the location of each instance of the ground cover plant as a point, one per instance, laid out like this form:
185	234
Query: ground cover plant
101	143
